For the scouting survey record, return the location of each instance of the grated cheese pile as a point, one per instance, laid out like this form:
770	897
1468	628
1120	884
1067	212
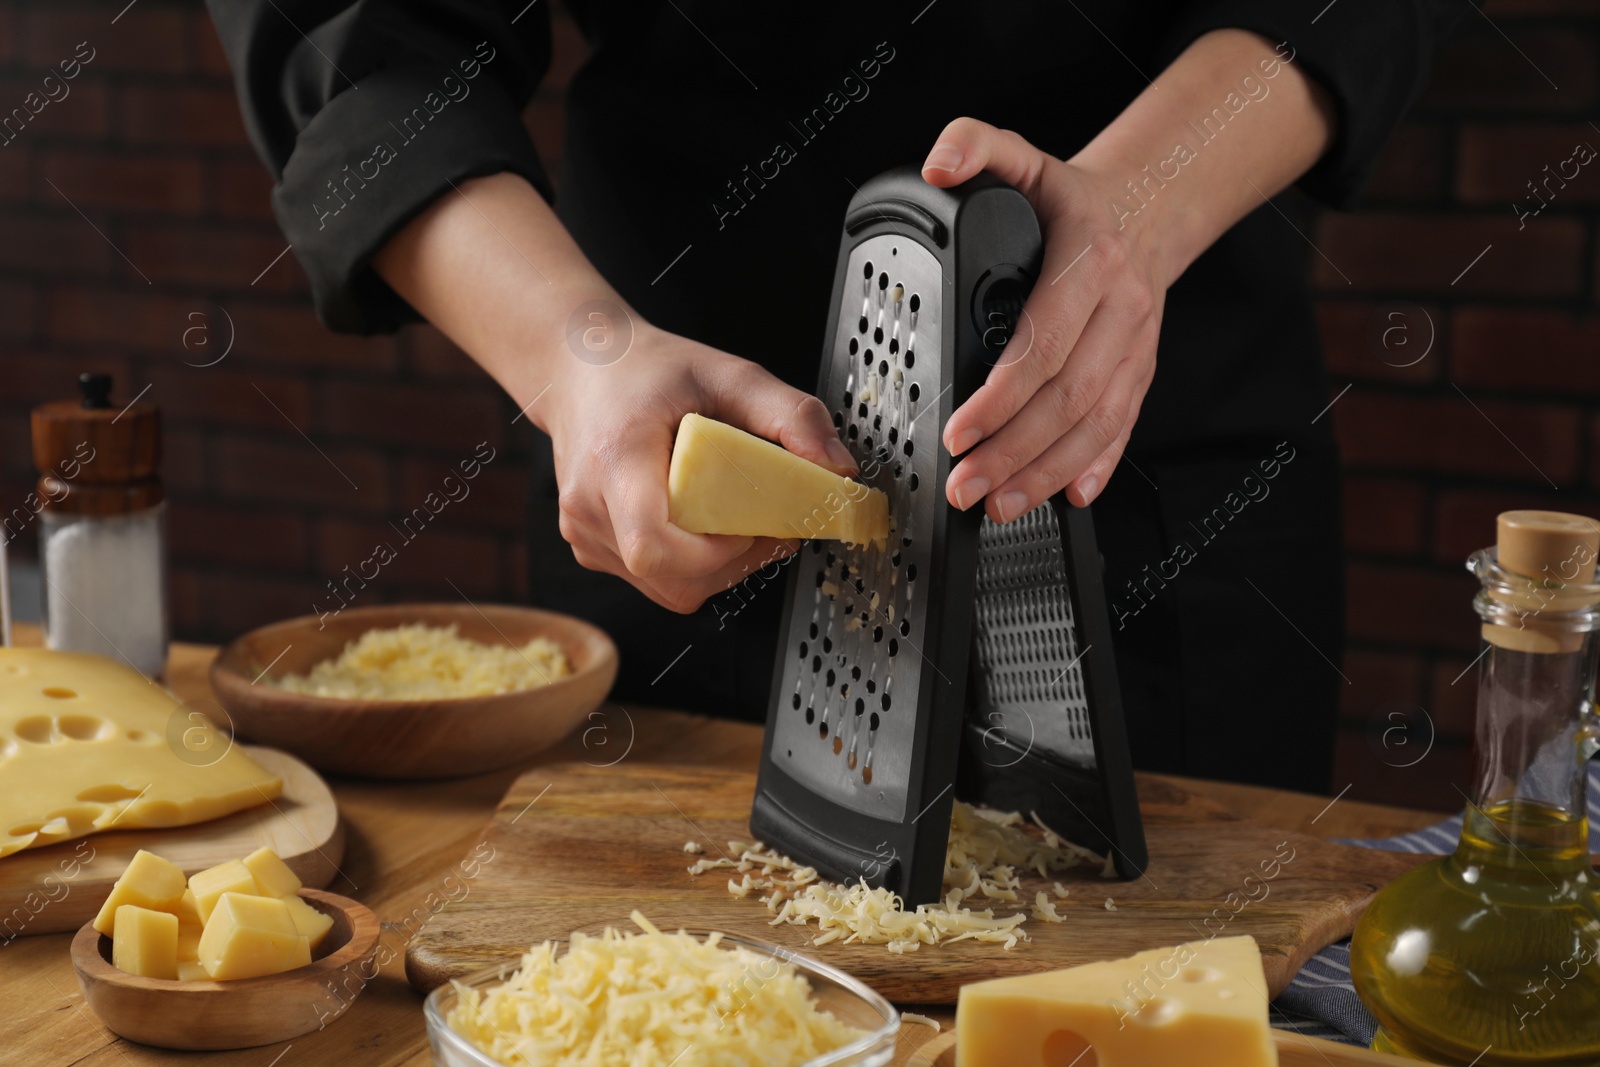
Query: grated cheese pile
648	1000
987	849
421	662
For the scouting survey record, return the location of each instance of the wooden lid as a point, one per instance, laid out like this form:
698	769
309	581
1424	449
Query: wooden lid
1551	546
96	457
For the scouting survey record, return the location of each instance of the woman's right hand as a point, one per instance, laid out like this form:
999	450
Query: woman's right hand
612	428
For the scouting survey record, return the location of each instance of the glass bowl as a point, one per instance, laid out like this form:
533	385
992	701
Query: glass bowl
848	999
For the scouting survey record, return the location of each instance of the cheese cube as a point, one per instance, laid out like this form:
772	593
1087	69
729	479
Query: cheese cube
230	877
725	481
1202	1004
188	911
272	875
189	941
248	936
149	882
191	971
146	942
309	921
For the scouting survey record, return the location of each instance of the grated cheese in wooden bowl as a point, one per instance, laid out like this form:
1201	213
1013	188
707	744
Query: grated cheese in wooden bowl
648	999
986	851
421	662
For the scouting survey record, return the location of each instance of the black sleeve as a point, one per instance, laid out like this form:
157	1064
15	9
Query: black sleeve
366	112
1372	56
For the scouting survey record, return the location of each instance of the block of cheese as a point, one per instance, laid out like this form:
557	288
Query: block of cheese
309	921
1201	1004
148	882
191	971
146	942
725	481
272	875
87	744
248	936
209	885
189	942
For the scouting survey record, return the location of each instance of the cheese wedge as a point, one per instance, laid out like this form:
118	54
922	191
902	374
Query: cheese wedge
725	481
87	745
1201	1004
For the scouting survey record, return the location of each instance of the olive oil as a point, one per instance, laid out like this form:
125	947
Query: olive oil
1491	956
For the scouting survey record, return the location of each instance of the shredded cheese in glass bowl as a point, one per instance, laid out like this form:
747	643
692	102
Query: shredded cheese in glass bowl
654	999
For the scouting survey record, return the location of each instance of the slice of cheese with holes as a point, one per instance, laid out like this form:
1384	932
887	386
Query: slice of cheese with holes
1202	1004
725	481
87	744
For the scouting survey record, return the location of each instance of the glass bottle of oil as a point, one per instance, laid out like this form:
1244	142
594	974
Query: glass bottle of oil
1491	956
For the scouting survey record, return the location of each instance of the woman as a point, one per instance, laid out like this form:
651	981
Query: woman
709	153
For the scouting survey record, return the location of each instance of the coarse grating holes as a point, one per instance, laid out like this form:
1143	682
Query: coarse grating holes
910	361
804	651
883	281
894	345
908	447
811	716
822	728
862	325
914	483
838	420
866	358
883	368
914	392
813	637
853	432
829	682
872	722
861	705
855	346
894	647
827	644
916	303
911	572
877	335
796	702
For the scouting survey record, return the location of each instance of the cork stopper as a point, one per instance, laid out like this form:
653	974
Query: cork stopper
96	457
1556	552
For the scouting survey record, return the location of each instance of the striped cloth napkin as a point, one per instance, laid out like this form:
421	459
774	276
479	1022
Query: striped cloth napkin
1321	1001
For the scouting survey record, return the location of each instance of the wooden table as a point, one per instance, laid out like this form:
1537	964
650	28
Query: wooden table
405	837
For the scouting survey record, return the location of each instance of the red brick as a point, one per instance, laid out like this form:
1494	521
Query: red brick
213	258
146	39
242	190
188	116
1402	253
497	498
8	34
143	318
1411	608
15	167
59	244
1378	679
239	537
1449	434
240	603
1498	9
1381	342
1594	451
206	48
1411	168
514	561
296	472
183	459
185	604
17	303
434	557
1504	348
1464	519
1384	516
1454	700
35	378
84	112
430	354
232	398
1499	162
1481	70
121	180
1430	785
290	335
455	420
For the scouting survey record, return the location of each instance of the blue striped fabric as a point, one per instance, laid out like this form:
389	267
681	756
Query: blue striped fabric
1322	995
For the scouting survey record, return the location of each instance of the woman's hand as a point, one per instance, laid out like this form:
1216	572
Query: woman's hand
612	428
1057	409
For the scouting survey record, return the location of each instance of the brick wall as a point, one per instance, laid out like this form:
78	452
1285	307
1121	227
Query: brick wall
149	148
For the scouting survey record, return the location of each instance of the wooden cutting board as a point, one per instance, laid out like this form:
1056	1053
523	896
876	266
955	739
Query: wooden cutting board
61	887
1294	1050
573	847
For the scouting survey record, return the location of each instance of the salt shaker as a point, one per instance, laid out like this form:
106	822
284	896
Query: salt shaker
102	526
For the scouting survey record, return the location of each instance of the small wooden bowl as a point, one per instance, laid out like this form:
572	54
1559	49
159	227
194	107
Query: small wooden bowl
242	1013
410	738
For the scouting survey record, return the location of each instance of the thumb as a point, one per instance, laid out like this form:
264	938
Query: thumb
968	146
748	396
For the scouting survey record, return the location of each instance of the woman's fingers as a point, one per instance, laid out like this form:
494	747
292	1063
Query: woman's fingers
747	396
967	146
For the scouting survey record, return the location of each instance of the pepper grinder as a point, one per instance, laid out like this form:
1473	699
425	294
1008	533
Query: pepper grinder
102	526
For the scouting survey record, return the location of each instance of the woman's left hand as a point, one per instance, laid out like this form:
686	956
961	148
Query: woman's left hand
1058	406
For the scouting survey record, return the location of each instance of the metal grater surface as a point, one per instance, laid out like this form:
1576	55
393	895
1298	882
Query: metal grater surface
854	676
1029	680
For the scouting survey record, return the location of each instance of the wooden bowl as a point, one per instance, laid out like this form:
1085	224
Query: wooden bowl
239	1014
410	738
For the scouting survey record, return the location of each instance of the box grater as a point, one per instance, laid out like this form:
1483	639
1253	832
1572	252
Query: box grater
963	658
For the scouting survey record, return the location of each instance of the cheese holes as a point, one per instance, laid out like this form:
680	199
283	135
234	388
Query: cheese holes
56	692
85	727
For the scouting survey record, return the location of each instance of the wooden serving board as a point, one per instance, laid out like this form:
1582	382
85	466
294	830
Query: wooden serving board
1294	1050
61	887
573	847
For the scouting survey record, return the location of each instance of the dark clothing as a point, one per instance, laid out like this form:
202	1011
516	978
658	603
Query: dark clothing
733	137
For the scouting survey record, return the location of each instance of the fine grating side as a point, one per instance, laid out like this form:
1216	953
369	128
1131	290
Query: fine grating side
856	668
1028	673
